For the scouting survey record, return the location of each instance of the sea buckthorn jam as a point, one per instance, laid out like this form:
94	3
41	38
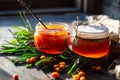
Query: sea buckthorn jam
91	41
52	40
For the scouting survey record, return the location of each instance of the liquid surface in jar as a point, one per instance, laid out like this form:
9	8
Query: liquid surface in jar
52	40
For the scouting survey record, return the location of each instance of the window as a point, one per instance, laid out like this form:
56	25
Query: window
41	6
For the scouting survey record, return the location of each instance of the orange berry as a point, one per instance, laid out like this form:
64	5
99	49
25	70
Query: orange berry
61	66
32	59
55	74
56	66
58	69
81	73
28	61
76	77
42	57
98	68
62	63
82	78
93	68
15	77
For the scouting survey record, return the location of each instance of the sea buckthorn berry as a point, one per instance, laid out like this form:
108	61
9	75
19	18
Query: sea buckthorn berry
28	61
62	63
15	77
82	78
98	68
93	68
58	69
56	66
61	66
55	74
32	59
81	73
76	77
42	57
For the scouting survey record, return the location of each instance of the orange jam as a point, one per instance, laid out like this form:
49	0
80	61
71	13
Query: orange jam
52	40
91	41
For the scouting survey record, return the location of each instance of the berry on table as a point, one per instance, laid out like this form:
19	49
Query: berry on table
15	77
55	74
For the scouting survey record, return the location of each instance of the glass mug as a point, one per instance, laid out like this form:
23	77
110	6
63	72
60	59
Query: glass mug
52	40
91	41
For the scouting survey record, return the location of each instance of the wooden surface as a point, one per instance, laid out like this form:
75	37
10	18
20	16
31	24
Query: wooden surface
7	69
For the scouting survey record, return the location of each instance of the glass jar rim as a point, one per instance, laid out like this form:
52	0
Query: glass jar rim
66	26
101	32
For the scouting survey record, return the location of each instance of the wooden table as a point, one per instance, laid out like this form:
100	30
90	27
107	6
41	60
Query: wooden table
7	69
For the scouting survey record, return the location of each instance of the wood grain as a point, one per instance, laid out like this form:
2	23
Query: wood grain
7	69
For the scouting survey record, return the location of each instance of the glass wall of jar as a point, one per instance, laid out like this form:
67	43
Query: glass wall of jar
52	40
90	41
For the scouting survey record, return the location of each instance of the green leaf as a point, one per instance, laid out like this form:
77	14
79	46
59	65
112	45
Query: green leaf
41	61
63	57
26	22
8	46
9	50
73	67
22	59
29	65
19	28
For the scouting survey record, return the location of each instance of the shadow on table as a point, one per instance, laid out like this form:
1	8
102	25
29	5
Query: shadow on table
4	75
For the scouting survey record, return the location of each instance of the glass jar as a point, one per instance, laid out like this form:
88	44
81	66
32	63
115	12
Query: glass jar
90	41
52	40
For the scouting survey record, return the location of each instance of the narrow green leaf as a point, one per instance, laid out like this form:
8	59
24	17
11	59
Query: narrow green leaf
29	65
73	67
63	57
19	28
41	61
22	59
9	50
